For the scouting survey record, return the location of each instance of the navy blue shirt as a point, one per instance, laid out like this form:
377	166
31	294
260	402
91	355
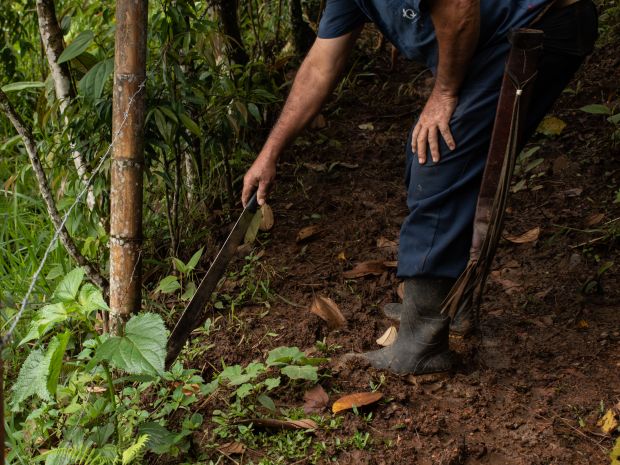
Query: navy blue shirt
407	23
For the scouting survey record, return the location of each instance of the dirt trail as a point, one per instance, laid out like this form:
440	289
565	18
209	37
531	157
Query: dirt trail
549	357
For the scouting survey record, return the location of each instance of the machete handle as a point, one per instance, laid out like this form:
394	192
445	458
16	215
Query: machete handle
252	204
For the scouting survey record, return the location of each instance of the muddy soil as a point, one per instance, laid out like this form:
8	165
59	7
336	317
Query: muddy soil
531	388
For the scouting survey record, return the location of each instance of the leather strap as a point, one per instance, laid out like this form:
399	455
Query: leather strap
515	93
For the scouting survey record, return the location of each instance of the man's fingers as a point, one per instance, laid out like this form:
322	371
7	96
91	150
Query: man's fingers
246	193
447	136
414	138
421	142
261	194
433	142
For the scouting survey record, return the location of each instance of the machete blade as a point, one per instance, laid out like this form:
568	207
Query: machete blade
194	314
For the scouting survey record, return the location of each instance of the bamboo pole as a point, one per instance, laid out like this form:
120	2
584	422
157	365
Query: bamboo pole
127	160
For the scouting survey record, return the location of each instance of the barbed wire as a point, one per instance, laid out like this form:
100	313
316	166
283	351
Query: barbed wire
17	317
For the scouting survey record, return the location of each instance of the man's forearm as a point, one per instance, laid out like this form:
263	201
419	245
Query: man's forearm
457	27
314	82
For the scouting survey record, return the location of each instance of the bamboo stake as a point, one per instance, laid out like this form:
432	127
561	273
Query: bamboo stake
127	160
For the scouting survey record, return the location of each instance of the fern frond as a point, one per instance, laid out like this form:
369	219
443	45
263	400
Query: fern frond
84	455
136	451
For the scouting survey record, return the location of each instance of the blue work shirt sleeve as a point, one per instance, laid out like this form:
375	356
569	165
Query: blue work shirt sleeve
339	18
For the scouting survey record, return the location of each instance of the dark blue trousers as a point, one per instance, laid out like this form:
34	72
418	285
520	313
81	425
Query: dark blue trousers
436	235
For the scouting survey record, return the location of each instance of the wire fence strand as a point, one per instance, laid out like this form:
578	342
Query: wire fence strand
17	317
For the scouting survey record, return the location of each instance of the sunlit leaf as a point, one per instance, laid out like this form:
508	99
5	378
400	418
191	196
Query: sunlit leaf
77	47
359	399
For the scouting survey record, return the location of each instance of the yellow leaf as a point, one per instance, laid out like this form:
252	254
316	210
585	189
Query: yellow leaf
342	256
358	399
608	423
551	126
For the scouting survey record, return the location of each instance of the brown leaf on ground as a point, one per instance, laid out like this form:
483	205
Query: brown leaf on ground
318	167
315	400
326	308
609	422
319	122
359	399
232	448
391	264
266	222
387	246
388	338
307	233
372	267
271	423
594	219
529	236
510	286
400	290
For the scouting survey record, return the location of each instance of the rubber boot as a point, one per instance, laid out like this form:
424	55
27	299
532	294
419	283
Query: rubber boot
461	326
421	346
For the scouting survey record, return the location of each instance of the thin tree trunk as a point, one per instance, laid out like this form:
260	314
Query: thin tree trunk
127	160
31	147
51	36
227	12
303	35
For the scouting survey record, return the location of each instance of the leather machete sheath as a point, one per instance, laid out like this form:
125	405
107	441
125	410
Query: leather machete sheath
506	141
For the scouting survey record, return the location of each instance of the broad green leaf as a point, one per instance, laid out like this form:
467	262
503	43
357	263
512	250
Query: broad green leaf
236	375
142	350
253	109
284	355
93	82
168	285
160	439
267	402
300	372
68	288
44	320
597	109
55	353
252	231
615	119
189	124
32	379
179	265
244	390
190	290
77	47
16	86
91	299
191	265
272	383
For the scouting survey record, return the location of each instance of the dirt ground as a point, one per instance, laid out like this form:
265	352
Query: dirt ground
531	388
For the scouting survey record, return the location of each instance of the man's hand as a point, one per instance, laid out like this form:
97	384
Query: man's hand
260	175
434	120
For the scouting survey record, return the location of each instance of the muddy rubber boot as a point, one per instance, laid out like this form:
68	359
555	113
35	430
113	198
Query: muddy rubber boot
461	326
421	346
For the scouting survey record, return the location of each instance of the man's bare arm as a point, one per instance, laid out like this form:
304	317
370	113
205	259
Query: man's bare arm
457	28
314	82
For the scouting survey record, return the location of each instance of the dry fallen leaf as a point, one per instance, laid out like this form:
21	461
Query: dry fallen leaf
551	126
608	423
357	400
96	389
529	236
388	337
387	246
319	122
372	267
583	324
316	399
266	222
304	423
307	232
318	167
594	219
366	126
400	290
342	257
509	286
190	389
391	264
231	448
327	309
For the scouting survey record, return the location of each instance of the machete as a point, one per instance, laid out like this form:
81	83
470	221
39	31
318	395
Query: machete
194	314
